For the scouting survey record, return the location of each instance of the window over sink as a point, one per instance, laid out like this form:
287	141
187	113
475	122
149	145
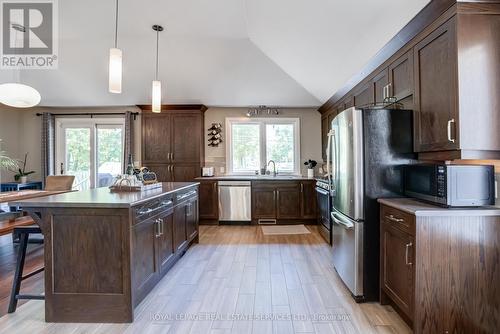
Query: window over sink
252	143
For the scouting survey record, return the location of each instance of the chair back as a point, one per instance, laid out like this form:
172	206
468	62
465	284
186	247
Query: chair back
59	182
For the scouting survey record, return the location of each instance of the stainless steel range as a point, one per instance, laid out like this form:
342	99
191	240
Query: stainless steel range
323	194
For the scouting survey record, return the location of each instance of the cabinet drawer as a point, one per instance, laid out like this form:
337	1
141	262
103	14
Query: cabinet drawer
397	218
152	208
186	195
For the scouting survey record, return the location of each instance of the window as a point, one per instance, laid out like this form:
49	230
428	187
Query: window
253	142
89	149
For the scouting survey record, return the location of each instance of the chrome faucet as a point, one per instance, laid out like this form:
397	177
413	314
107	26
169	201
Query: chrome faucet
274	166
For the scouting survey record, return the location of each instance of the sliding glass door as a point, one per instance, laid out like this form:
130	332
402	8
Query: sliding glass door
89	149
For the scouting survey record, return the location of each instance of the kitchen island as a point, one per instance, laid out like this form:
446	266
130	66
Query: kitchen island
105	251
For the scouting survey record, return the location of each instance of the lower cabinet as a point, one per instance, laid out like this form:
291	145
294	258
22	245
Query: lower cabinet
209	196
160	239
283	200
397	270
165	241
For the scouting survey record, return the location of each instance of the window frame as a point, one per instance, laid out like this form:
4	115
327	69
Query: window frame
262	122
63	123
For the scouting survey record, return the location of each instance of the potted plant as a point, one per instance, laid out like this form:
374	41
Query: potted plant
310	167
22	176
6	162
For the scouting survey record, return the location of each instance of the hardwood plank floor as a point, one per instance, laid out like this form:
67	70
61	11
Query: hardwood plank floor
237	280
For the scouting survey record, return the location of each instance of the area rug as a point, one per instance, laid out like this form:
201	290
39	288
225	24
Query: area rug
284	229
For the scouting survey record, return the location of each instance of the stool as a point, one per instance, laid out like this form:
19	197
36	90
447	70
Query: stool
23	232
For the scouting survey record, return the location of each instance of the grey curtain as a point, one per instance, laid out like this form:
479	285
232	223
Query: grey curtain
128	147
48	145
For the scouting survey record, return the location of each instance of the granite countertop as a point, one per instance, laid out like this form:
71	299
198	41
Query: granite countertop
255	178
101	197
419	208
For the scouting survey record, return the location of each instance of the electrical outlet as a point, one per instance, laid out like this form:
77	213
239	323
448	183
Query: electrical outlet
222	170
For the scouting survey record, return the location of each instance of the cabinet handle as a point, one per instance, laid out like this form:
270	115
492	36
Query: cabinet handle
157	229
452	140
406	254
394	219
302	188
144	211
160	224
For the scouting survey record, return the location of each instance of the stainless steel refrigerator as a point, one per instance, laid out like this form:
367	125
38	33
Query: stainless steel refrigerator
365	154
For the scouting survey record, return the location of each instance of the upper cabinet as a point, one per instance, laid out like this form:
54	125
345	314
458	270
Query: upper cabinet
173	141
448	75
436	91
401	77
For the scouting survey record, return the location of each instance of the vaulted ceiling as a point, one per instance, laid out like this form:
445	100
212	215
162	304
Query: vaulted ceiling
290	53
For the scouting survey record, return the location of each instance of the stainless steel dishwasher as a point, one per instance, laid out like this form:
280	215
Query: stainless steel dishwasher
235	201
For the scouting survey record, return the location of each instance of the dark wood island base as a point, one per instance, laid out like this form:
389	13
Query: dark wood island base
104	252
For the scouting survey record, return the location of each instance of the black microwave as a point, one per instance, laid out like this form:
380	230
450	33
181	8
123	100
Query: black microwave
451	185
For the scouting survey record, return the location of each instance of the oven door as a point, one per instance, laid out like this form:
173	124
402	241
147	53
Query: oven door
324	205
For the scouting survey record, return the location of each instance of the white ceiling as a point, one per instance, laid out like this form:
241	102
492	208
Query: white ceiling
290	53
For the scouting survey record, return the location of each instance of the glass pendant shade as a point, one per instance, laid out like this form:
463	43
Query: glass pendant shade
19	95
156	96
115	70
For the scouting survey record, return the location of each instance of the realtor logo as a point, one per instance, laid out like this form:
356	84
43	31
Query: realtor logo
29	34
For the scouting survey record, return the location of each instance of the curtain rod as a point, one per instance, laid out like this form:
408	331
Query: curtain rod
91	114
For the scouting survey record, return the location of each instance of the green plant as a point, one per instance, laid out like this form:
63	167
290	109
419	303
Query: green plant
6	162
23	172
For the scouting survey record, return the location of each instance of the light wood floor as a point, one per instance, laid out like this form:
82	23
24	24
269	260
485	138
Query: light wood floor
253	283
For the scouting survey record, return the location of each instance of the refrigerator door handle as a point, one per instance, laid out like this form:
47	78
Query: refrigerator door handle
338	220
328	147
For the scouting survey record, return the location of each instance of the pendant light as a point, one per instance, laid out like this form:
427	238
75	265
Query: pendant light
15	94
115	62
156	87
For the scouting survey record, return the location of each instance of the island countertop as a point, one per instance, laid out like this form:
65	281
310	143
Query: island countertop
102	197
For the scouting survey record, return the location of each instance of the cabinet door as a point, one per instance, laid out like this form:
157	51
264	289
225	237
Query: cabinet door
163	172
348	102
209	197
192	219
156	138
185	172
436	90
380	81
165	241
179	233
324	135
308	200
365	95
187	138
288	202
401	76
263	203
397	267
144	257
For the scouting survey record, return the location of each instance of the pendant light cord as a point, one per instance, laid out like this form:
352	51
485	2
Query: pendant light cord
116	25
157	52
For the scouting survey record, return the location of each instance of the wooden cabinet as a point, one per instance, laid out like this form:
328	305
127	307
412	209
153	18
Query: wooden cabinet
144	257
380	84
284	200
364	96
436	90
401	77
173	141
309	200
398	271
263	201
192	218
165	241
447	73
288	200
209	208
180	236
437	265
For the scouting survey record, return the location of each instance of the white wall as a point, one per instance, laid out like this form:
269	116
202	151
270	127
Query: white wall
310	132
20	131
